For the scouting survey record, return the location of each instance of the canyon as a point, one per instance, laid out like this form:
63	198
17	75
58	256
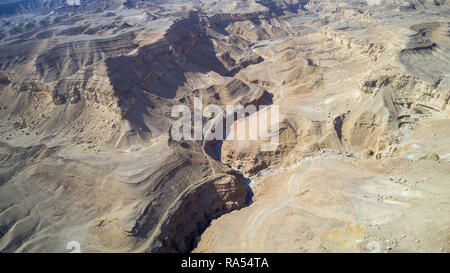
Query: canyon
87	90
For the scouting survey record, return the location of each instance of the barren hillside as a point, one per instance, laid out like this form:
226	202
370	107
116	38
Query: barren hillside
87	89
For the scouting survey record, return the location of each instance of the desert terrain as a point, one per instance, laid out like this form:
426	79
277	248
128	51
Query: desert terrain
86	155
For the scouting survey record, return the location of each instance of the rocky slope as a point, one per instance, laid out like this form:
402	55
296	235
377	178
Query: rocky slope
362	163
87	89
86	104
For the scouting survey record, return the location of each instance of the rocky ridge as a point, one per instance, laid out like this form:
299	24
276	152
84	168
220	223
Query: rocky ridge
87	92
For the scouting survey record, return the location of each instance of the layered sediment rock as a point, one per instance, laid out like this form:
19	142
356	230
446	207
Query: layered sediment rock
87	92
89	107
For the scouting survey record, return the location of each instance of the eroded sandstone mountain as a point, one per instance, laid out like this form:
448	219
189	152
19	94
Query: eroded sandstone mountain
87	89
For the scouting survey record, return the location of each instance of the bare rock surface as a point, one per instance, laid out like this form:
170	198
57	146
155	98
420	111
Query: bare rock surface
87	88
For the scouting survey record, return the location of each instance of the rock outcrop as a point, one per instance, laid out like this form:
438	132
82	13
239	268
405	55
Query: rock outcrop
87	89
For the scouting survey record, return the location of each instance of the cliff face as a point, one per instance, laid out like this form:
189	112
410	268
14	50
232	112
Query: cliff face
364	98
15	7
87	92
85	114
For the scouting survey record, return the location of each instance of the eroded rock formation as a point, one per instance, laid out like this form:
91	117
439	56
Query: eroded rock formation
87	91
